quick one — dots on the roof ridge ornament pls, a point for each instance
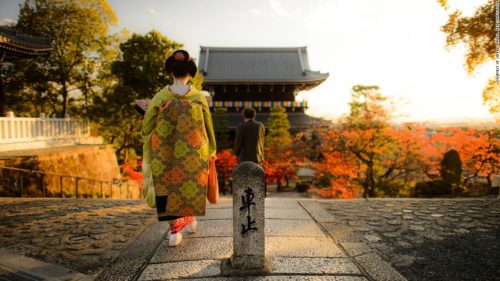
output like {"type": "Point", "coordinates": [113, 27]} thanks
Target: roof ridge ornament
{"type": "Point", "coordinates": [301, 59]}
{"type": "Point", "coordinates": [205, 66]}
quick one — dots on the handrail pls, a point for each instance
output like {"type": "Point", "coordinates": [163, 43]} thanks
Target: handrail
{"type": "Point", "coordinates": [28, 129]}
{"type": "Point", "coordinates": [111, 182]}
{"type": "Point", "coordinates": [114, 180]}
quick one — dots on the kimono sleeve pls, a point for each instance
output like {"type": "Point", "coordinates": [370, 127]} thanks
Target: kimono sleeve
{"type": "Point", "coordinates": [212, 146]}
{"type": "Point", "coordinates": [148, 124]}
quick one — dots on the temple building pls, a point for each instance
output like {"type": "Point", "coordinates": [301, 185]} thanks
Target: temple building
{"type": "Point", "coordinates": [16, 46]}
{"type": "Point", "coordinates": [261, 78]}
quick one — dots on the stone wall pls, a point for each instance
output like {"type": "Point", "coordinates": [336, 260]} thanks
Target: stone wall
{"type": "Point", "coordinates": [95, 166]}
{"type": "Point", "coordinates": [94, 161]}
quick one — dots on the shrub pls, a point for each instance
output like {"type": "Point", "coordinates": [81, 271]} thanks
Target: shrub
{"type": "Point", "coordinates": [393, 188]}
{"type": "Point", "coordinates": [432, 188]}
{"type": "Point", "coordinates": [303, 185]}
{"type": "Point", "coordinates": [323, 181]}
{"type": "Point", "coordinates": [451, 168]}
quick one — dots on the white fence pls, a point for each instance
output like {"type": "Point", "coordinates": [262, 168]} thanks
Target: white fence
{"type": "Point", "coordinates": [23, 132]}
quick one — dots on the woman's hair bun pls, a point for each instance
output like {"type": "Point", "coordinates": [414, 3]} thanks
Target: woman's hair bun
{"type": "Point", "coordinates": [181, 64]}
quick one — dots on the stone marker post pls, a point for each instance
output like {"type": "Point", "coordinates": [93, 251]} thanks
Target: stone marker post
{"type": "Point", "coordinates": [248, 221]}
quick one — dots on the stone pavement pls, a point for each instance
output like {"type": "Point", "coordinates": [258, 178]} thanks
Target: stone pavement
{"type": "Point", "coordinates": [424, 239]}
{"type": "Point", "coordinates": [297, 244]}
{"type": "Point", "coordinates": [306, 239]}
{"type": "Point", "coordinates": [80, 234]}
{"type": "Point", "coordinates": [135, 246]}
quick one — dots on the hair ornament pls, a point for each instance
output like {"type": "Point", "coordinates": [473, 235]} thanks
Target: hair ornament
{"type": "Point", "coordinates": [179, 56]}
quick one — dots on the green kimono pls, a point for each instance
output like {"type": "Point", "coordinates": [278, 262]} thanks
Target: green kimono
{"type": "Point", "coordinates": [178, 141]}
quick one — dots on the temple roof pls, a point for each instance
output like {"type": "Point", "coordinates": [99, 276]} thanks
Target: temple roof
{"type": "Point", "coordinates": [257, 65]}
{"type": "Point", "coordinates": [15, 44]}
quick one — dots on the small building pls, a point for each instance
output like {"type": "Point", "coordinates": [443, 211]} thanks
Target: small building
{"type": "Point", "coordinates": [261, 78]}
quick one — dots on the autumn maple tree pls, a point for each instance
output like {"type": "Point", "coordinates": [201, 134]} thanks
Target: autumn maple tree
{"type": "Point", "coordinates": [132, 170]}
{"type": "Point", "coordinates": [479, 150]}
{"type": "Point", "coordinates": [225, 163]}
{"type": "Point", "coordinates": [363, 135]}
{"type": "Point", "coordinates": [338, 166]}
{"type": "Point", "coordinates": [476, 34]}
{"type": "Point", "coordinates": [365, 152]}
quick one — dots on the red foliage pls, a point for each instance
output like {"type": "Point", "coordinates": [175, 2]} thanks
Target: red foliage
{"type": "Point", "coordinates": [409, 153]}
{"type": "Point", "coordinates": [478, 149]}
{"type": "Point", "coordinates": [342, 173]}
{"type": "Point", "coordinates": [225, 163]}
{"type": "Point", "coordinates": [280, 164]}
{"type": "Point", "coordinates": [132, 170]}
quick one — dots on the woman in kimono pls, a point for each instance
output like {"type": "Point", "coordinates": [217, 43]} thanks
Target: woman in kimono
{"type": "Point", "coordinates": [178, 140]}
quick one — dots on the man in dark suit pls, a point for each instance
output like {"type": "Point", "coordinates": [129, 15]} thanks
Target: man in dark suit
{"type": "Point", "coordinates": [249, 141]}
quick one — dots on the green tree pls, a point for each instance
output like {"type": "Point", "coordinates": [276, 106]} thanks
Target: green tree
{"type": "Point", "coordinates": [279, 157]}
{"type": "Point", "coordinates": [140, 73]}
{"type": "Point", "coordinates": [477, 34]}
{"type": "Point", "coordinates": [141, 69]}
{"type": "Point", "coordinates": [77, 30]}
{"type": "Point", "coordinates": [278, 128]}
{"type": "Point", "coordinates": [364, 134]}
{"type": "Point", "coordinates": [96, 77]}
{"type": "Point", "coordinates": [26, 95]}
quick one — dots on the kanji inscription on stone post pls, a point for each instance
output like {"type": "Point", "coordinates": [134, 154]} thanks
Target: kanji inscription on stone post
{"type": "Point", "coordinates": [249, 219]}
{"type": "Point", "coordinates": [247, 202]}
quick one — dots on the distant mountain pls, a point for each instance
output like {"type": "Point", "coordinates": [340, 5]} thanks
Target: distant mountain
{"type": "Point", "coordinates": [478, 123]}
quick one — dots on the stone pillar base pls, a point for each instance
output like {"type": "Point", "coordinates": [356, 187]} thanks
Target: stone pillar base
{"type": "Point", "coordinates": [246, 265]}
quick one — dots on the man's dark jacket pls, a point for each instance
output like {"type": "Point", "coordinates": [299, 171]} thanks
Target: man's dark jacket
{"type": "Point", "coordinates": [249, 141]}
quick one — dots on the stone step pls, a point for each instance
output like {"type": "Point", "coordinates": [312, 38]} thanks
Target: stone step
{"type": "Point", "coordinates": [17, 267]}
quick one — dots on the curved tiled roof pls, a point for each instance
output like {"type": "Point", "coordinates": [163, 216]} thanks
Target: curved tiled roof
{"type": "Point", "coordinates": [257, 65]}
{"type": "Point", "coordinates": [16, 44]}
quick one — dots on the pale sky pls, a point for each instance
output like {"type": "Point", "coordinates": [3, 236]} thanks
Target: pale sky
{"type": "Point", "coordinates": [396, 44]}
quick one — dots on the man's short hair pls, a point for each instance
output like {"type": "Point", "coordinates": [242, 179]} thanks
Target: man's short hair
{"type": "Point", "coordinates": [249, 112]}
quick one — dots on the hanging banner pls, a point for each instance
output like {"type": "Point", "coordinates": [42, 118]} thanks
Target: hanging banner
{"type": "Point", "coordinates": [290, 104]}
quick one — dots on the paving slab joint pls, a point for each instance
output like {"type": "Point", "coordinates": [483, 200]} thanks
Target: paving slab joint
{"type": "Point", "coordinates": [376, 270]}
{"type": "Point", "coordinates": [116, 266]}
{"type": "Point", "coordinates": [228, 270]}
{"type": "Point", "coordinates": [25, 268]}
{"type": "Point", "coordinates": [151, 255]}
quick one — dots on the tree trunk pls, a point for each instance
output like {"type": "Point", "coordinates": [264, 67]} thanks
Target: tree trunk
{"type": "Point", "coordinates": [365, 189]}
{"type": "Point", "coordinates": [370, 180]}
{"type": "Point", "coordinates": [64, 92]}
{"type": "Point", "coordinates": [278, 185]}
{"type": "Point", "coordinates": [126, 153]}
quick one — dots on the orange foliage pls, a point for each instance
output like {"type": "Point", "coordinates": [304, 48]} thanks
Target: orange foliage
{"type": "Point", "coordinates": [132, 170]}
{"type": "Point", "coordinates": [282, 161]}
{"type": "Point", "coordinates": [409, 153]}
{"type": "Point", "coordinates": [342, 172]}
{"type": "Point", "coordinates": [279, 163]}
{"type": "Point", "coordinates": [479, 150]}
{"type": "Point", "coordinates": [225, 163]}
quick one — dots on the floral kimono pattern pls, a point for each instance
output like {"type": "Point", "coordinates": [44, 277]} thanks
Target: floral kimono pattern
{"type": "Point", "coordinates": [181, 142]}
